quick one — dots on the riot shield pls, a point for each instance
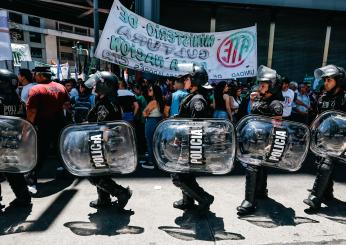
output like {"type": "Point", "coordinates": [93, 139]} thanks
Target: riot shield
{"type": "Point", "coordinates": [274, 143]}
{"type": "Point", "coordinates": [328, 133]}
{"type": "Point", "coordinates": [96, 149]}
{"type": "Point", "coordinates": [18, 145]}
{"type": "Point", "coordinates": [191, 145]}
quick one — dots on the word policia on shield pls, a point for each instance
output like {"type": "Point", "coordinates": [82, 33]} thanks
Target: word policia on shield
{"type": "Point", "coordinates": [135, 42]}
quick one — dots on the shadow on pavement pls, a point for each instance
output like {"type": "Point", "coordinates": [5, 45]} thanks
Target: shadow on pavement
{"type": "Point", "coordinates": [107, 222]}
{"type": "Point", "coordinates": [13, 220]}
{"type": "Point", "coordinates": [271, 214]}
{"type": "Point", "coordinates": [54, 186]}
{"type": "Point", "coordinates": [335, 211]}
{"type": "Point", "coordinates": [194, 226]}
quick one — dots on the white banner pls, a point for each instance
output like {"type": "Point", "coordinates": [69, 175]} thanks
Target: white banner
{"type": "Point", "coordinates": [5, 41]}
{"type": "Point", "coordinates": [21, 52]}
{"type": "Point", "coordinates": [135, 42]}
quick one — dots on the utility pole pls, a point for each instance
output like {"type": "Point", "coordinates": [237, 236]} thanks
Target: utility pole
{"type": "Point", "coordinates": [96, 31]}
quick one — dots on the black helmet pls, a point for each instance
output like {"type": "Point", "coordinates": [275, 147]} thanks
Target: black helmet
{"type": "Point", "coordinates": [333, 71]}
{"type": "Point", "coordinates": [8, 81]}
{"type": "Point", "coordinates": [197, 73]}
{"type": "Point", "coordinates": [106, 82]}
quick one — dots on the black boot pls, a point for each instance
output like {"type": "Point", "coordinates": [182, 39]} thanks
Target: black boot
{"type": "Point", "coordinates": [322, 180]}
{"type": "Point", "coordinates": [19, 188]}
{"type": "Point", "coordinates": [261, 186]}
{"type": "Point", "coordinates": [123, 194]}
{"type": "Point", "coordinates": [103, 200]}
{"type": "Point", "coordinates": [185, 203]}
{"type": "Point", "coordinates": [328, 193]}
{"type": "Point", "coordinates": [192, 188]}
{"type": "Point", "coordinates": [248, 205]}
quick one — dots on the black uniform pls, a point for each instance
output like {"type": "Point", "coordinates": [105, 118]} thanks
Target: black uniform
{"type": "Point", "coordinates": [256, 176]}
{"type": "Point", "coordinates": [107, 109]}
{"type": "Point", "coordinates": [193, 106]}
{"type": "Point", "coordinates": [323, 186]}
{"type": "Point", "coordinates": [10, 105]}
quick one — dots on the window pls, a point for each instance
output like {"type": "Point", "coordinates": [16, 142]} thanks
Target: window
{"type": "Point", "coordinates": [81, 31]}
{"type": "Point", "coordinates": [36, 52]}
{"type": "Point", "coordinates": [66, 42]}
{"type": "Point", "coordinates": [34, 21]}
{"type": "Point", "coordinates": [67, 28]}
{"type": "Point", "coordinates": [16, 18]}
{"type": "Point", "coordinates": [16, 35]}
{"type": "Point", "coordinates": [66, 56]}
{"type": "Point", "coordinates": [35, 37]}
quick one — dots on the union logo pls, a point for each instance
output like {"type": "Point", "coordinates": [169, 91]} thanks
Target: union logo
{"type": "Point", "coordinates": [235, 48]}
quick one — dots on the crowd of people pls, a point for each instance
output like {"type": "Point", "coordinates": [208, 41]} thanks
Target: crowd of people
{"type": "Point", "coordinates": [52, 105]}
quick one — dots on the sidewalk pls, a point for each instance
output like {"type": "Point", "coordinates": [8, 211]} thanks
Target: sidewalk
{"type": "Point", "coordinates": [61, 214]}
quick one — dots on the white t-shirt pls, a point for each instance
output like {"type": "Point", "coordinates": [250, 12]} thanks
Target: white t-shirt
{"type": "Point", "coordinates": [287, 103]}
{"type": "Point", "coordinates": [25, 92]}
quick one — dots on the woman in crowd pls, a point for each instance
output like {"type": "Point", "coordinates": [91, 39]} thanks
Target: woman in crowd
{"type": "Point", "coordinates": [235, 101]}
{"type": "Point", "coordinates": [153, 114]}
{"type": "Point", "coordinates": [222, 104]}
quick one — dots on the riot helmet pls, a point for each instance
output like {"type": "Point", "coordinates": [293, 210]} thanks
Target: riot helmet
{"type": "Point", "coordinates": [8, 81]}
{"type": "Point", "coordinates": [270, 76]}
{"type": "Point", "coordinates": [105, 82]}
{"type": "Point", "coordinates": [197, 74]}
{"type": "Point", "coordinates": [331, 71]}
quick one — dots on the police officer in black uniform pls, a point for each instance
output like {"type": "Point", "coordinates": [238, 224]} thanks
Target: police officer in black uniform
{"type": "Point", "coordinates": [106, 109]}
{"type": "Point", "coordinates": [334, 98]}
{"type": "Point", "coordinates": [195, 105]}
{"type": "Point", "coordinates": [10, 105]}
{"type": "Point", "coordinates": [265, 101]}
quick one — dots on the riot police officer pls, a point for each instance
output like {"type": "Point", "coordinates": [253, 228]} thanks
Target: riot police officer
{"type": "Point", "coordinates": [194, 105]}
{"type": "Point", "coordinates": [106, 109]}
{"type": "Point", "coordinates": [334, 98]}
{"type": "Point", "coordinates": [265, 101]}
{"type": "Point", "coordinates": [10, 105]}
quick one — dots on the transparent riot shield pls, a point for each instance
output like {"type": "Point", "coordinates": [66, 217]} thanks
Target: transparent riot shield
{"type": "Point", "coordinates": [190, 145]}
{"type": "Point", "coordinates": [273, 143]}
{"type": "Point", "coordinates": [96, 149]}
{"type": "Point", "coordinates": [18, 145]}
{"type": "Point", "coordinates": [328, 133]}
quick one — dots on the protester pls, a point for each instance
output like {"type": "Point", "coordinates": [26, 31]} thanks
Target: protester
{"type": "Point", "coordinates": [153, 114]}
{"type": "Point", "coordinates": [45, 110]}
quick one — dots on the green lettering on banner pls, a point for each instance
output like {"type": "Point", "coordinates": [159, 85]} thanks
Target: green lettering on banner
{"type": "Point", "coordinates": [150, 29]}
{"type": "Point", "coordinates": [162, 34]}
{"type": "Point", "coordinates": [116, 43]}
{"type": "Point", "coordinates": [159, 61]}
{"type": "Point", "coordinates": [128, 18]}
{"type": "Point", "coordinates": [209, 41]}
{"type": "Point", "coordinates": [186, 41]}
{"type": "Point", "coordinates": [123, 15]}
{"type": "Point", "coordinates": [125, 48]}
{"type": "Point", "coordinates": [170, 36]}
{"type": "Point", "coordinates": [140, 55]}
{"type": "Point", "coordinates": [150, 59]}
{"type": "Point", "coordinates": [245, 46]}
{"type": "Point", "coordinates": [197, 41]}
{"type": "Point", "coordinates": [174, 65]}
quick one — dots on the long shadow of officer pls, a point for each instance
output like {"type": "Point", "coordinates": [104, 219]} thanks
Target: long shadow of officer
{"type": "Point", "coordinates": [335, 211]}
{"type": "Point", "coordinates": [13, 220]}
{"type": "Point", "coordinates": [197, 226]}
{"type": "Point", "coordinates": [272, 214]}
{"type": "Point", "coordinates": [106, 222]}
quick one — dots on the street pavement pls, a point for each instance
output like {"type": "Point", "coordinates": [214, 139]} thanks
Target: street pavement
{"type": "Point", "coordinates": [61, 214]}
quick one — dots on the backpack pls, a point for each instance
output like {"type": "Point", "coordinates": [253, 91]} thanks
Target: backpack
{"type": "Point", "coordinates": [82, 107]}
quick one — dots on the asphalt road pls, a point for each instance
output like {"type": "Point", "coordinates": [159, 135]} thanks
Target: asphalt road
{"type": "Point", "coordinates": [61, 215]}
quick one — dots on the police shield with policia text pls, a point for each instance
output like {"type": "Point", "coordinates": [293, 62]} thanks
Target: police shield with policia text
{"type": "Point", "coordinates": [328, 133]}
{"type": "Point", "coordinates": [102, 147]}
{"type": "Point", "coordinates": [264, 140]}
{"type": "Point", "coordinates": [18, 140]}
{"type": "Point", "coordinates": [192, 143]}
